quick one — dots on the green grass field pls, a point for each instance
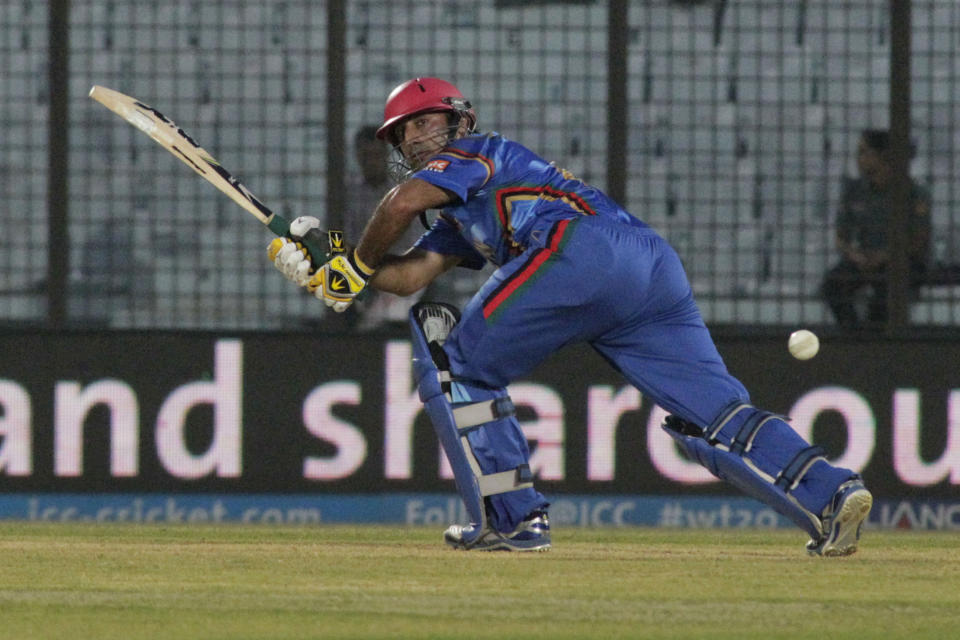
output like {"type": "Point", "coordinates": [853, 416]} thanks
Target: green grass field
{"type": "Point", "coordinates": [232, 581]}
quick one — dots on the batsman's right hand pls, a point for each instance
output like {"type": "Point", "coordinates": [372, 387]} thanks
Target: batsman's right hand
{"type": "Point", "coordinates": [289, 255]}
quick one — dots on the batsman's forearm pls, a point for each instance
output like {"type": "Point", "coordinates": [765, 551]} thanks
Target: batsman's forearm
{"type": "Point", "coordinates": [391, 219]}
{"type": "Point", "coordinates": [395, 213]}
{"type": "Point", "coordinates": [406, 274]}
{"type": "Point", "coordinates": [380, 234]}
{"type": "Point", "coordinates": [396, 279]}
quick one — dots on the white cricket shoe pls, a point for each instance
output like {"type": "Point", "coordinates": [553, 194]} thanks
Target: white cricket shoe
{"type": "Point", "coordinates": [532, 534]}
{"type": "Point", "coordinates": [842, 520]}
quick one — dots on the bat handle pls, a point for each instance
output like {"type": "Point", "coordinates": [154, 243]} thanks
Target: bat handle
{"type": "Point", "coordinates": [279, 225]}
{"type": "Point", "coordinates": [320, 244]}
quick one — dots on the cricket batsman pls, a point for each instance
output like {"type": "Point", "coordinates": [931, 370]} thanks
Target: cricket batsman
{"type": "Point", "coordinates": [573, 266]}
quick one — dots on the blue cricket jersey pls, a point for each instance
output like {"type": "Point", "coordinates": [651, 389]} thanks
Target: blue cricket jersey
{"type": "Point", "coordinates": [505, 191]}
{"type": "Point", "coordinates": [573, 266]}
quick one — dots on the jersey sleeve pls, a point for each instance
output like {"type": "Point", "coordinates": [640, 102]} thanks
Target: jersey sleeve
{"type": "Point", "coordinates": [462, 168]}
{"type": "Point", "coordinates": [445, 239]}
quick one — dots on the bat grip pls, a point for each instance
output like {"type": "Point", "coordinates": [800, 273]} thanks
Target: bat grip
{"type": "Point", "coordinates": [279, 225]}
{"type": "Point", "coordinates": [315, 240]}
{"type": "Point", "coordinates": [317, 245]}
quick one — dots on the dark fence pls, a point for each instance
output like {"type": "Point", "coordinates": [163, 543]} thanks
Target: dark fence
{"type": "Point", "coordinates": [729, 126]}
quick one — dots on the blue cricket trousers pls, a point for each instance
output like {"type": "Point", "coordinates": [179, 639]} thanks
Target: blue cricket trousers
{"type": "Point", "coordinates": [620, 288]}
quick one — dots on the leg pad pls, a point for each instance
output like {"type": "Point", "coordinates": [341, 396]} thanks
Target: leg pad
{"type": "Point", "coordinates": [475, 425]}
{"type": "Point", "coordinates": [724, 448]}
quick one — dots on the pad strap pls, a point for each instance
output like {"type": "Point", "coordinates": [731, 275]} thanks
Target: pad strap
{"type": "Point", "coordinates": [713, 431]}
{"type": "Point", "coordinates": [790, 476]}
{"type": "Point", "coordinates": [503, 482]}
{"type": "Point", "coordinates": [748, 430]}
{"type": "Point", "coordinates": [479, 413]}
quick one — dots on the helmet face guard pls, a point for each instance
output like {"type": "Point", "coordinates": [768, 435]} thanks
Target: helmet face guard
{"type": "Point", "coordinates": [402, 164]}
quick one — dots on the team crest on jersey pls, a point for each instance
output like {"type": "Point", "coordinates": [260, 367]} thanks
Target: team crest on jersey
{"type": "Point", "coordinates": [437, 165]}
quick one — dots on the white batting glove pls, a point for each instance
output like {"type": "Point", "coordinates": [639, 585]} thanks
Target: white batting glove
{"type": "Point", "coordinates": [289, 256]}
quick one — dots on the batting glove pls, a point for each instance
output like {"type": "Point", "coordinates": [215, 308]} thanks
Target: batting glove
{"type": "Point", "coordinates": [340, 281]}
{"type": "Point", "coordinates": [290, 256]}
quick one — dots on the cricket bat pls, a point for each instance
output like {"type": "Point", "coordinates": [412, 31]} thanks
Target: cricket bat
{"type": "Point", "coordinates": [175, 140]}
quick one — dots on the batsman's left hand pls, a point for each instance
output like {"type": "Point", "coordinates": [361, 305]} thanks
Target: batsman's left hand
{"type": "Point", "coordinates": [340, 281]}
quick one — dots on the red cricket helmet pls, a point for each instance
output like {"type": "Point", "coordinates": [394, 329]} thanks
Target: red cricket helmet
{"type": "Point", "coordinates": [423, 95]}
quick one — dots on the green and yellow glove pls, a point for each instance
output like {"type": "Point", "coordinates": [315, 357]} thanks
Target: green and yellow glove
{"type": "Point", "coordinates": [340, 280]}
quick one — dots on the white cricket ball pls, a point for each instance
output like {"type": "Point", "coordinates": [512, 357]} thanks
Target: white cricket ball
{"type": "Point", "coordinates": [803, 344]}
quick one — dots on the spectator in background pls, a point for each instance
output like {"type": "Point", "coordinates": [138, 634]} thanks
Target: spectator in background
{"type": "Point", "coordinates": [862, 222]}
{"type": "Point", "coordinates": [377, 309]}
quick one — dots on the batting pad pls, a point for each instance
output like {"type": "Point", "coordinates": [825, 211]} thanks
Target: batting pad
{"type": "Point", "coordinates": [476, 428]}
{"type": "Point", "coordinates": [760, 454]}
